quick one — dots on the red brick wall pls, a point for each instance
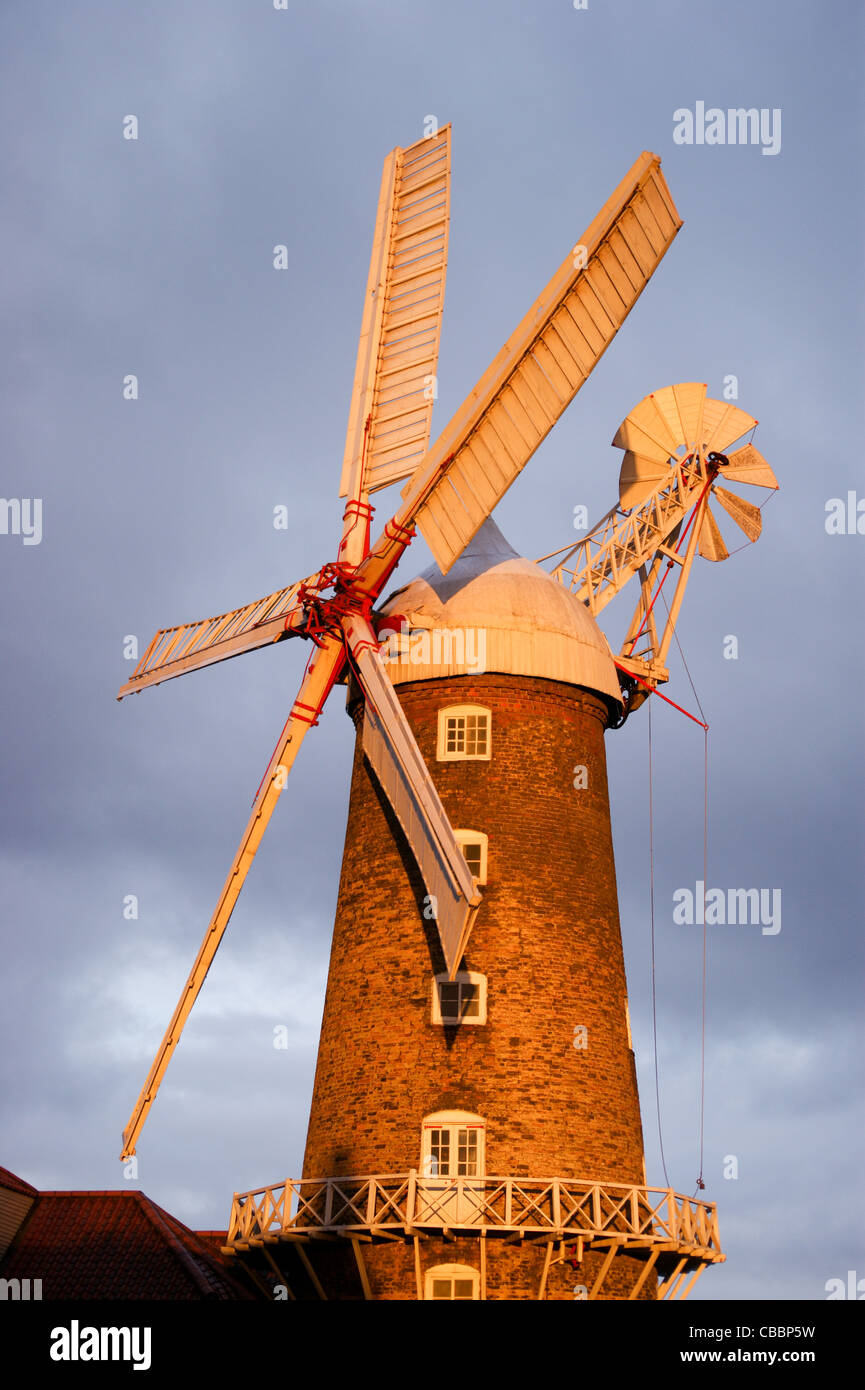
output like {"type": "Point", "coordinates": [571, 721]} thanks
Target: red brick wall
{"type": "Point", "coordinates": [514, 1271]}
{"type": "Point", "coordinates": [547, 938]}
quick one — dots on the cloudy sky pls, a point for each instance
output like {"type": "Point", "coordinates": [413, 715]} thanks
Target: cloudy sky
{"type": "Point", "coordinates": [260, 126]}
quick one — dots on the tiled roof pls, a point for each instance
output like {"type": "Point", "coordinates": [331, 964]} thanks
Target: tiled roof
{"type": "Point", "coordinates": [16, 1184]}
{"type": "Point", "coordinates": [217, 1238]}
{"type": "Point", "coordinates": [116, 1245]}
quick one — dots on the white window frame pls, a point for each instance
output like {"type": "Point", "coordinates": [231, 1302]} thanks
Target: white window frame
{"type": "Point", "coordinates": [475, 837]}
{"type": "Point", "coordinates": [453, 1121]}
{"type": "Point", "coordinates": [455, 712]}
{"type": "Point", "coordinates": [452, 1273]}
{"type": "Point", "coordinates": [462, 977]}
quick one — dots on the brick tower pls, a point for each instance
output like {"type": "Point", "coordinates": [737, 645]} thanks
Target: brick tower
{"type": "Point", "coordinates": [522, 1068]}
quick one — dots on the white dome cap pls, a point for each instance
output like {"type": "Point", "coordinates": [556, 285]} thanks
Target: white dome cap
{"type": "Point", "coordinates": [494, 611]}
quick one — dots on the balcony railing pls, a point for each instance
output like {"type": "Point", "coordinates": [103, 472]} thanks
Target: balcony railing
{"type": "Point", "coordinates": [562, 1208]}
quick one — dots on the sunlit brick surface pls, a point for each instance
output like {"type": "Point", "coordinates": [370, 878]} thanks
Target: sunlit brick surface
{"type": "Point", "coordinates": [547, 937]}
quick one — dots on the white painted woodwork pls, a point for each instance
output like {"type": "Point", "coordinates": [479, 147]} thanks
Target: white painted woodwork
{"type": "Point", "coordinates": [392, 397]}
{"type": "Point", "coordinates": [611, 1218]}
{"type": "Point", "coordinates": [313, 691]}
{"type": "Point", "coordinates": [399, 765]}
{"type": "Point", "coordinates": [517, 401]}
{"type": "Point", "coordinates": [175, 650]}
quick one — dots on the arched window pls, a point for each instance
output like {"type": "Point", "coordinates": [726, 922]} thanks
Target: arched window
{"type": "Point", "coordinates": [452, 1282]}
{"type": "Point", "coordinates": [461, 1000]}
{"type": "Point", "coordinates": [452, 1145]}
{"type": "Point", "coordinates": [464, 731]}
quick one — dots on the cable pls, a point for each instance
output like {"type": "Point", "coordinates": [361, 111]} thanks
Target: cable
{"type": "Point", "coordinates": [700, 1183]}
{"type": "Point", "coordinates": [685, 664]}
{"type": "Point", "coordinates": [652, 917]}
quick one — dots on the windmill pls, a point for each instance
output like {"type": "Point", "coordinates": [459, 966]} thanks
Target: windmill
{"type": "Point", "coordinates": [400, 952]}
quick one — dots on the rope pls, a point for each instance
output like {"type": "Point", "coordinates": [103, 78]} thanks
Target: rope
{"type": "Point", "coordinates": [705, 960]}
{"type": "Point", "coordinates": [700, 1183]}
{"type": "Point", "coordinates": [687, 670]}
{"type": "Point", "coordinates": [652, 917]}
{"type": "Point", "coordinates": [653, 690]}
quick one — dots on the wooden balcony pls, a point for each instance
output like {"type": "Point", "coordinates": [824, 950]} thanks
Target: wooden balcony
{"type": "Point", "coordinates": [677, 1235]}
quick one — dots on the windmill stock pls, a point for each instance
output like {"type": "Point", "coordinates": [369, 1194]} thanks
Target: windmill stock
{"type": "Point", "coordinates": [446, 1078]}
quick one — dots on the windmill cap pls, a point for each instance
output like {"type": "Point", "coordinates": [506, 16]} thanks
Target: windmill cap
{"type": "Point", "coordinates": [495, 611]}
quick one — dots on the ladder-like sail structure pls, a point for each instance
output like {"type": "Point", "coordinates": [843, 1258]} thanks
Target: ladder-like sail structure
{"type": "Point", "coordinates": [398, 763]}
{"type": "Point", "coordinates": [394, 384]}
{"type": "Point", "coordinates": [313, 692]}
{"type": "Point", "coordinates": [542, 365]}
{"type": "Point", "coordinates": [187, 647]}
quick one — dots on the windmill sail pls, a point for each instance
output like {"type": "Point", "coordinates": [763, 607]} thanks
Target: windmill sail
{"type": "Point", "coordinates": [404, 777]}
{"type": "Point", "coordinates": [664, 425]}
{"type": "Point", "coordinates": [746, 516]}
{"type": "Point", "coordinates": [747, 465]}
{"type": "Point", "coordinates": [711, 542]}
{"type": "Point", "coordinates": [392, 397]}
{"type": "Point", "coordinates": [542, 365]}
{"type": "Point", "coordinates": [189, 646]}
{"type": "Point", "coordinates": [313, 692]}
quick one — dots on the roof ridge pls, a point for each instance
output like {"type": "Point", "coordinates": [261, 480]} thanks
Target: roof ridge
{"type": "Point", "coordinates": [12, 1181]}
{"type": "Point", "coordinates": [160, 1219]}
{"type": "Point", "coordinates": [94, 1192]}
{"type": "Point", "coordinates": [164, 1221]}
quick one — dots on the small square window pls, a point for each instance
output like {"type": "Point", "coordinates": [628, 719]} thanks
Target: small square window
{"type": "Point", "coordinates": [464, 733]}
{"type": "Point", "coordinates": [452, 1282]}
{"type": "Point", "coordinates": [459, 1001]}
